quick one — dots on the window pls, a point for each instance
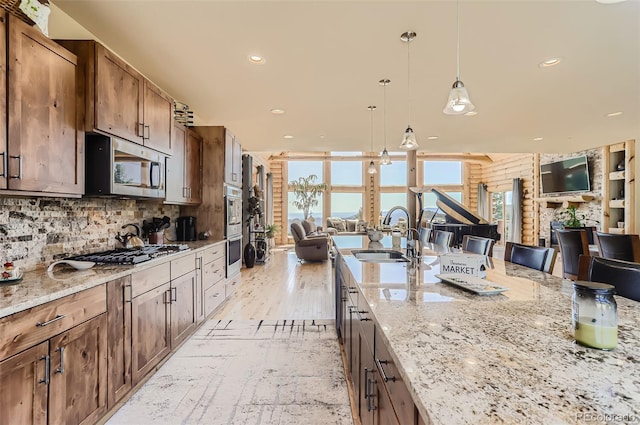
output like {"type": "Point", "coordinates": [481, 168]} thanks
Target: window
{"type": "Point", "coordinates": [297, 169]}
{"type": "Point", "coordinates": [294, 213]}
{"type": "Point", "coordinates": [430, 208]}
{"type": "Point", "coordinates": [346, 205]}
{"type": "Point", "coordinates": [394, 174]}
{"type": "Point", "coordinates": [442, 172]}
{"type": "Point", "coordinates": [389, 200]}
{"type": "Point", "coordinates": [346, 173]}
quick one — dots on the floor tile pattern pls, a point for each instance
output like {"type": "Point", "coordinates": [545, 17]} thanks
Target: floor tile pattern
{"type": "Point", "coordinates": [266, 372]}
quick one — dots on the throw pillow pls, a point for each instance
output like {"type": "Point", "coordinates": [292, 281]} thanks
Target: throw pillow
{"type": "Point", "coordinates": [351, 225]}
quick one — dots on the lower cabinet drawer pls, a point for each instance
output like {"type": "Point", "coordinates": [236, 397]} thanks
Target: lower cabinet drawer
{"type": "Point", "coordinates": [396, 387]}
{"type": "Point", "coordinates": [183, 265]}
{"type": "Point", "coordinates": [232, 285]}
{"type": "Point", "coordinates": [30, 327]}
{"type": "Point", "coordinates": [213, 272]}
{"type": "Point", "coordinates": [213, 297]}
{"type": "Point", "coordinates": [145, 280]}
{"type": "Point", "coordinates": [213, 252]}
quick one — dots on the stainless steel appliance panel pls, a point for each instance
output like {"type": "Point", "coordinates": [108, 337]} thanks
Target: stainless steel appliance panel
{"type": "Point", "coordinates": [233, 211]}
{"type": "Point", "coordinates": [234, 255]}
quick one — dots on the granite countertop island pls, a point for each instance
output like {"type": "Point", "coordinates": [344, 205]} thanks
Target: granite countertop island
{"type": "Point", "coordinates": [40, 286]}
{"type": "Point", "coordinates": [508, 358]}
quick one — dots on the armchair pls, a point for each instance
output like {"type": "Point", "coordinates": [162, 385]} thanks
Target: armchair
{"type": "Point", "coordinates": [309, 247]}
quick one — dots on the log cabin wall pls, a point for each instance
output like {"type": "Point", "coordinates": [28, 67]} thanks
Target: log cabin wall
{"type": "Point", "coordinates": [499, 175]}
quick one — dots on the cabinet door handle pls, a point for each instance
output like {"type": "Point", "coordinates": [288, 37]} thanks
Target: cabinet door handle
{"type": "Point", "coordinates": [130, 286]}
{"type": "Point", "coordinates": [167, 296]}
{"type": "Point", "coordinates": [47, 369]}
{"type": "Point", "coordinates": [148, 133]}
{"type": "Point", "coordinates": [141, 130]}
{"type": "Point", "coordinates": [174, 295]}
{"type": "Point", "coordinates": [4, 164]}
{"type": "Point", "coordinates": [385, 378]}
{"type": "Point", "coordinates": [234, 176]}
{"type": "Point", "coordinates": [198, 263]}
{"type": "Point", "coordinates": [19, 158]}
{"type": "Point", "coordinates": [60, 370]}
{"type": "Point", "coordinates": [55, 319]}
{"type": "Point", "coordinates": [184, 192]}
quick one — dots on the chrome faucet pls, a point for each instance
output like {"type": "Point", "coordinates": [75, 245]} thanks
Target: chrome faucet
{"type": "Point", "coordinates": [387, 218]}
{"type": "Point", "coordinates": [414, 246]}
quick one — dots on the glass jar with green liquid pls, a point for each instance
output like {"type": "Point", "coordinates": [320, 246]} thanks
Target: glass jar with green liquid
{"type": "Point", "coordinates": [595, 315]}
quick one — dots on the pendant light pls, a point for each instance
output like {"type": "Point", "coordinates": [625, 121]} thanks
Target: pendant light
{"type": "Point", "coordinates": [409, 141]}
{"type": "Point", "coordinates": [384, 157]}
{"type": "Point", "coordinates": [459, 101]}
{"type": "Point", "coordinates": [372, 166]}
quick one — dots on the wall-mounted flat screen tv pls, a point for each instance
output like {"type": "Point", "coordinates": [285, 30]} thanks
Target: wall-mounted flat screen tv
{"type": "Point", "coordinates": [566, 176]}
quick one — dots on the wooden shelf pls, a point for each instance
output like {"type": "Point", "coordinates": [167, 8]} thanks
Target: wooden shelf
{"type": "Point", "coordinates": [616, 203]}
{"type": "Point", "coordinates": [616, 230]}
{"type": "Point", "coordinates": [563, 201]}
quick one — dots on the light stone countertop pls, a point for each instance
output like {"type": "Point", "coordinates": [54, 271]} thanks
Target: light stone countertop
{"type": "Point", "coordinates": [509, 358]}
{"type": "Point", "coordinates": [39, 286]}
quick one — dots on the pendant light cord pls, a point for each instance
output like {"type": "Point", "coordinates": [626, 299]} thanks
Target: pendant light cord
{"type": "Point", "coordinates": [371, 132]}
{"type": "Point", "coordinates": [409, 77]}
{"type": "Point", "coordinates": [384, 102]}
{"type": "Point", "coordinates": [458, 39]}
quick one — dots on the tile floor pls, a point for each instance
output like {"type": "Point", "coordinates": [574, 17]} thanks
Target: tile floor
{"type": "Point", "coordinates": [247, 372]}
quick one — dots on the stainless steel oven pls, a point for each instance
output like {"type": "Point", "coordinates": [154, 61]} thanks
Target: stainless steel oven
{"type": "Point", "coordinates": [234, 255]}
{"type": "Point", "coordinates": [233, 211]}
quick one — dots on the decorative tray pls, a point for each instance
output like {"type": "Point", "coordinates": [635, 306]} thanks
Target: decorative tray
{"type": "Point", "coordinates": [10, 279]}
{"type": "Point", "coordinates": [472, 283]}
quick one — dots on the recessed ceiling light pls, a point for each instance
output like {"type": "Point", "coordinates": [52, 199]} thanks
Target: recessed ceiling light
{"type": "Point", "coordinates": [614, 114]}
{"type": "Point", "coordinates": [609, 1]}
{"type": "Point", "coordinates": [549, 62]}
{"type": "Point", "coordinates": [471, 113]}
{"type": "Point", "coordinates": [288, 136]}
{"type": "Point", "coordinates": [277, 111]}
{"type": "Point", "coordinates": [256, 59]}
{"type": "Point", "coordinates": [537, 139]}
{"type": "Point", "coordinates": [432, 137]}
{"type": "Point", "coordinates": [322, 136]}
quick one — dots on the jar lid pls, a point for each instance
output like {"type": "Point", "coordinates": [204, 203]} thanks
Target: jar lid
{"type": "Point", "coordinates": [595, 287]}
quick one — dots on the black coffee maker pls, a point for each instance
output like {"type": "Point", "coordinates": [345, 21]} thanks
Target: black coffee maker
{"type": "Point", "coordinates": [186, 228]}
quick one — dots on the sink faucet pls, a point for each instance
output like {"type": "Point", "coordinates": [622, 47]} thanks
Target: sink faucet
{"type": "Point", "coordinates": [414, 246]}
{"type": "Point", "coordinates": [387, 218]}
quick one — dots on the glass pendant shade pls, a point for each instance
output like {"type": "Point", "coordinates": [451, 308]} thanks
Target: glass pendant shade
{"type": "Point", "coordinates": [459, 101]}
{"type": "Point", "coordinates": [372, 168]}
{"type": "Point", "coordinates": [409, 141]}
{"type": "Point", "coordinates": [384, 158]}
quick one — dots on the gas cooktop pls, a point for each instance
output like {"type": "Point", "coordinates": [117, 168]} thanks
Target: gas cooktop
{"type": "Point", "coordinates": [131, 256]}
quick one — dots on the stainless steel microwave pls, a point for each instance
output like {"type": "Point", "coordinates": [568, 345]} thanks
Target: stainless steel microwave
{"type": "Point", "coordinates": [116, 167]}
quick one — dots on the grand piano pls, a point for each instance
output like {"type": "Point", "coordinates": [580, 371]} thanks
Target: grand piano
{"type": "Point", "coordinates": [458, 219]}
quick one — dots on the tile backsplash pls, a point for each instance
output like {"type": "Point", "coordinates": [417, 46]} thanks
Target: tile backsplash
{"type": "Point", "coordinates": [37, 231]}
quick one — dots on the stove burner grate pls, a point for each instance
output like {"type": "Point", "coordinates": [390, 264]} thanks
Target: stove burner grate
{"type": "Point", "coordinates": [131, 256]}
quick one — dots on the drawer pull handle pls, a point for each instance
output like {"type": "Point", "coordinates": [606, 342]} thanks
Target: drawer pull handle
{"type": "Point", "coordinates": [47, 369]}
{"type": "Point", "coordinates": [130, 293]}
{"type": "Point", "coordinates": [61, 368]}
{"type": "Point", "coordinates": [385, 378]}
{"type": "Point", "coordinates": [352, 290]}
{"type": "Point", "coordinates": [43, 324]}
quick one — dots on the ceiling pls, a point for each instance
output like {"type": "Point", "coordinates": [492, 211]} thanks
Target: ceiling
{"type": "Point", "coordinates": [324, 60]}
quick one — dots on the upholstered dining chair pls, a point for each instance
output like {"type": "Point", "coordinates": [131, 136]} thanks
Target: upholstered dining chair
{"type": "Point", "coordinates": [624, 275]}
{"type": "Point", "coordinates": [619, 247]}
{"type": "Point", "coordinates": [534, 257]}
{"type": "Point", "coordinates": [573, 243]}
{"type": "Point", "coordinates": [442, 237]}
{"type": "Point", "coordinates": [424, 234]}
{"type": "Point", "coordinates": [477, 245]}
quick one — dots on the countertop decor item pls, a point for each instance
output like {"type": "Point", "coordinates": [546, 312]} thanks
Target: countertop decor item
{"type": "Point", "coordinates": [76, 264]}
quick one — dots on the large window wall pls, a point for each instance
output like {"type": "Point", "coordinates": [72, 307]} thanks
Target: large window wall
{"type": "Point", "coordinates": [353, 193]}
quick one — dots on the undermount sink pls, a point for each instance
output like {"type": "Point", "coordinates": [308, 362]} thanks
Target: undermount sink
{"type": "Point", "coordinates": [379, 256]}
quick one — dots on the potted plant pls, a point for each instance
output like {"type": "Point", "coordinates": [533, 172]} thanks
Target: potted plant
{"type": "Point", "coordinates": [270, 230]}
{"type": "Point", "coordinates": [571, 218]}
{"type": "Point", "coordinates": [306, 192]}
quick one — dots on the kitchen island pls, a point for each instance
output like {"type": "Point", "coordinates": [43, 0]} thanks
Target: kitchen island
{"type": "Point", "coordinates": [507, 358]}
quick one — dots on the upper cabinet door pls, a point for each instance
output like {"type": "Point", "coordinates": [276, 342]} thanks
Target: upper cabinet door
{"type": "Point", "coordinates": [3, 100]}
{"type": "Point", "coordinates": [44, 114]}
{"type": "Point", "coordinates": [118, 97]}
{"type": "Point", "coordinates": [232, 159]}
{"type": "Point", "coordinates": [176, 188]}
{"type": "Point", "coordinates": [158, 118]}
{"type": "Point", "coordinates": [193, 168]}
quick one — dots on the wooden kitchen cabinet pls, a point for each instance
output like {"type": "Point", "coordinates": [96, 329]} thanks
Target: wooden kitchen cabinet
{"type": "Point", "coordinates": [24, 389]}
{"type": "Point", "coordinates": [213, 273]}
{"type": "Point", "coordinates": [78, 387]}
{"type": "Point", "coordinates": [150, 320]}
{"type": "Point", "coordinates": [183, 315]}
{"type": "Point", "coordinates": [232, 159]}
{"type": "Point", "coordinates": [44, 151]}
{"type": "Point", "coordinates": [184, 168]}
{"type": "Point", "coordinates": [120, 101]}
{"type": "Point", "coordinates": [54, 367]}
{"type": "Point", "coordinates": [119, 296]}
